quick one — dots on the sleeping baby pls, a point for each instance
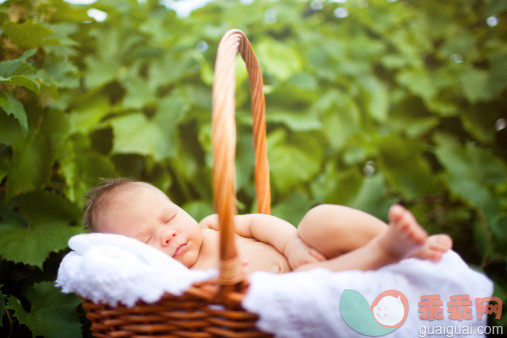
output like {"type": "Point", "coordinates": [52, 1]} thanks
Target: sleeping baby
{"type": "Point", "coordinates": [334, 237]}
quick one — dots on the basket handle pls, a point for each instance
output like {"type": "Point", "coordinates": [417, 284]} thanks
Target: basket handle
{"type": "Point", "coordinates": [224, 146]}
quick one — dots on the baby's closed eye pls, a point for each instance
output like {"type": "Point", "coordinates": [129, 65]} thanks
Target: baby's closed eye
{"type": "Point", "coordinates": [168, 216]}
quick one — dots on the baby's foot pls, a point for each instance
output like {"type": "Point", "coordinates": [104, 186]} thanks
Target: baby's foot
{"type": "Point", "coordinates": [433, 248]}
{"type": "Point", "coordinates": [404, 235]}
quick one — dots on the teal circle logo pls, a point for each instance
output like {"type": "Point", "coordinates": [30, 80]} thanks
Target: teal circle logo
{"type": "Point", "coordinates": [386, 314]}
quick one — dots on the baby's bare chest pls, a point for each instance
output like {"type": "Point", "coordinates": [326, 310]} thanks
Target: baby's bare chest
{"type": "Point", "coordinates": [258, 256]}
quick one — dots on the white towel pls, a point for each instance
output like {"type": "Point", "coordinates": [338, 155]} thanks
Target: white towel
{"type": "Point", "coordinates": [114, 268]}
{"type": "Point", "coordinates": [307, 304]}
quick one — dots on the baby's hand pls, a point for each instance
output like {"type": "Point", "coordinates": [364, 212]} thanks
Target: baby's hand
{"type": "Point", "coordinates": [209, 222]}
{"type": "Point", "coordinates": [298, 253]}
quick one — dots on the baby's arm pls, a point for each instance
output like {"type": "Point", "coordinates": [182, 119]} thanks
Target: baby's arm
{"type": "Point", "coordinates": [272, 230]}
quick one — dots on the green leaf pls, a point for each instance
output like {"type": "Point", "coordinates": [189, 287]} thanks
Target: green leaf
{"type": "Point", "coordinates": [135, 134]}
{"type": "Point", "coordinates": [372, 197]}
{"type": "Point", "coordinates": [34, 154]}
{"type": "Point", "coordinates": [475, 85]}
{"type": "Point", "coordinates": [471, 170]}
{"type": "Point", "coordinates": [19, 72]}
{"type": "Point", "coordinates": [304, 81]}
{"type": "Point", "coordinates": [293, 208]}
{"type": "Point", "coordinates": [51, 314]}
{"type": "Point", "coordinates": [28, 34]}
{"type": "Point", "coordinates": [47, 230]}
{"type": "Point", "coordinates": [100, 71]}
{"type": "Point", "coordinates": [30, 165]}
{"type": "Point", "coordinates": [336, 185]}
{"type": "Point", "coordinates": [376, 98]}
{"type": "Point", "coordinates": [17, 66]}
{"type": "Point", "coordinates": [10, 130]}
{"type": "Point", "coordinates": [88, 111]}
{"type": "Point", "coordinates": [498, 72]}
{"type": "Point", "coordinates": [140, 92]}
{"type": "Point", "coordinates": [277, 58]}
{"type": "Point", "coordinates": [60, 72]}
{"type": "Point", "coordinates": [23, 81]}
{"type": "Point", "coordinates": [293, 161]}
{"type": "Point", "coordinates": [65, 12]}
{"type": "Point", "coordinates": [419, 82]}
{"type": "Point", "coordinates": [198, 209]}
{"type": "Point", "coordinates": [170, 68]}
{"type": "Point", "coordinates": [81, 166]}
{"type": "Point", "coordinates": [402, 163]}
{"type": "Point", "coordinates": [296, 121]}
{"type": "Point", "coordinates": [15, 108]}
{"type": "Point", "coordinates": [341, 120]}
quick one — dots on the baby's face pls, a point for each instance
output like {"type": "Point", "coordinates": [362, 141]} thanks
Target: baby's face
{"type": "Point", "coordinates": [142, 211]}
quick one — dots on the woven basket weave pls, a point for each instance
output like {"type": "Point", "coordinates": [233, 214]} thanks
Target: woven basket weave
{"type": "Point", "coordinates": [195, 313]}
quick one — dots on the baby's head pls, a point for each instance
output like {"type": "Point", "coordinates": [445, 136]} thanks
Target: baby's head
{"type": "Point", "coordinates": [139, 210]}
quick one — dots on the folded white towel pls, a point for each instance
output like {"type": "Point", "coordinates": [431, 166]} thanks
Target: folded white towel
{"type": "Point", "coordinates": [113, 268]}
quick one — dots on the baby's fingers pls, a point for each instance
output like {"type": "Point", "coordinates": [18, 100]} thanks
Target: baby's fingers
{"type": "Point", "coordinates": [317, 255]}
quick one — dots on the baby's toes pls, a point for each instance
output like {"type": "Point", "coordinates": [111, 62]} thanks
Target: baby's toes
{"type": "Point", "coordinates": [445, 241]}
{"type": "Point", "coordinates": [435, 255]}
{"type": "Point", "coordinates": [440, 242]}
{"type": "Point", "coordinates": [396, 213]}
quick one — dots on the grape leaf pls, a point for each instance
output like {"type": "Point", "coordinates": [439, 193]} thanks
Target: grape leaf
{"type": "Point", "coordinates": [419, 82]}
{"type": "Point", "coordinates": [278, 59]}
{"type": "Point", "coordinates": [293, 208]}
{"type": "Point", "coordinates": [87, 112]}
{"type": "Point", "coordinates": [402, 163]}
{"type": "Point", "coordinates": [475, 85]}
{"type": "Point", "coordinates": [45, 230]}
{"type": "Point", "coordinates": [51, 314]}
{"type": "Point", "coordinates": [30, 165]}
{"type": "Point", "coordinates": [100, 71]}
{"type": "Point", "coordinates": [292, 162]}
{"type": "Point", "coordinates": [471, 170]}
{"type": "Point", "coordinates": [15, 108]}
{"type": "Point", "coordinates": [139, 93]}
{"type": "Point", "coordinates": [19, 72]}
{"type": "Point", "coordinates": [27, 34]}
{"type": "Point", "coordinates": [135, 134]}
{"type": "Point", "coordinates": [81, 166]}
{"type": "Point", "coordinates": [34, 154]}
{"type": "Point", "coordinates": [377, 98]}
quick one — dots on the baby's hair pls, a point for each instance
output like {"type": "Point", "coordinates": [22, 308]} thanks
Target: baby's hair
{"type": "Point", "coordinates": [98, 196]}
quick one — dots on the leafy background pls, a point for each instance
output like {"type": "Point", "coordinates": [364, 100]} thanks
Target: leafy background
{"type": "Point", "coordinates": [369, 103]}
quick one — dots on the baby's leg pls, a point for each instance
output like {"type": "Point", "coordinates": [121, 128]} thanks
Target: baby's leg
{"type": "Point", "coordinates": [403, 237]}
{"type": "Point", "coordinates": [334, 230]}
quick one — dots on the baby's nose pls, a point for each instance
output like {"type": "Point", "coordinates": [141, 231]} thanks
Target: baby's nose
{"type": "Point", "coordinates": [167, 237]}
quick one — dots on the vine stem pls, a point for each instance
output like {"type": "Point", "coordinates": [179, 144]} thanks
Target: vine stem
{"type": "Point", "coordinates": [484, 224]}
{"type": "Point", "coordinates": [11, 334]}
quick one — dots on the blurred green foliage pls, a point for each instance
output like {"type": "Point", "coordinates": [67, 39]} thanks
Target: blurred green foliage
{"type": "Point", "coordinates": [369, 103]}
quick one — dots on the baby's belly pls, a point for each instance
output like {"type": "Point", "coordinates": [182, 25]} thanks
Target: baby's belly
{"type": "Point", "coordinates": [261, 256]}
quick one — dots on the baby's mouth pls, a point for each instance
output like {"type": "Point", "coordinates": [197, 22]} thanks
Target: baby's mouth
{"type": "Point", "coordinates": [179, 250]}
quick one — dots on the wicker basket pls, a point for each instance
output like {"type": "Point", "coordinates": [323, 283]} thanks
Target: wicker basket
{"type": "Point", "coordinates": [210, 308]}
